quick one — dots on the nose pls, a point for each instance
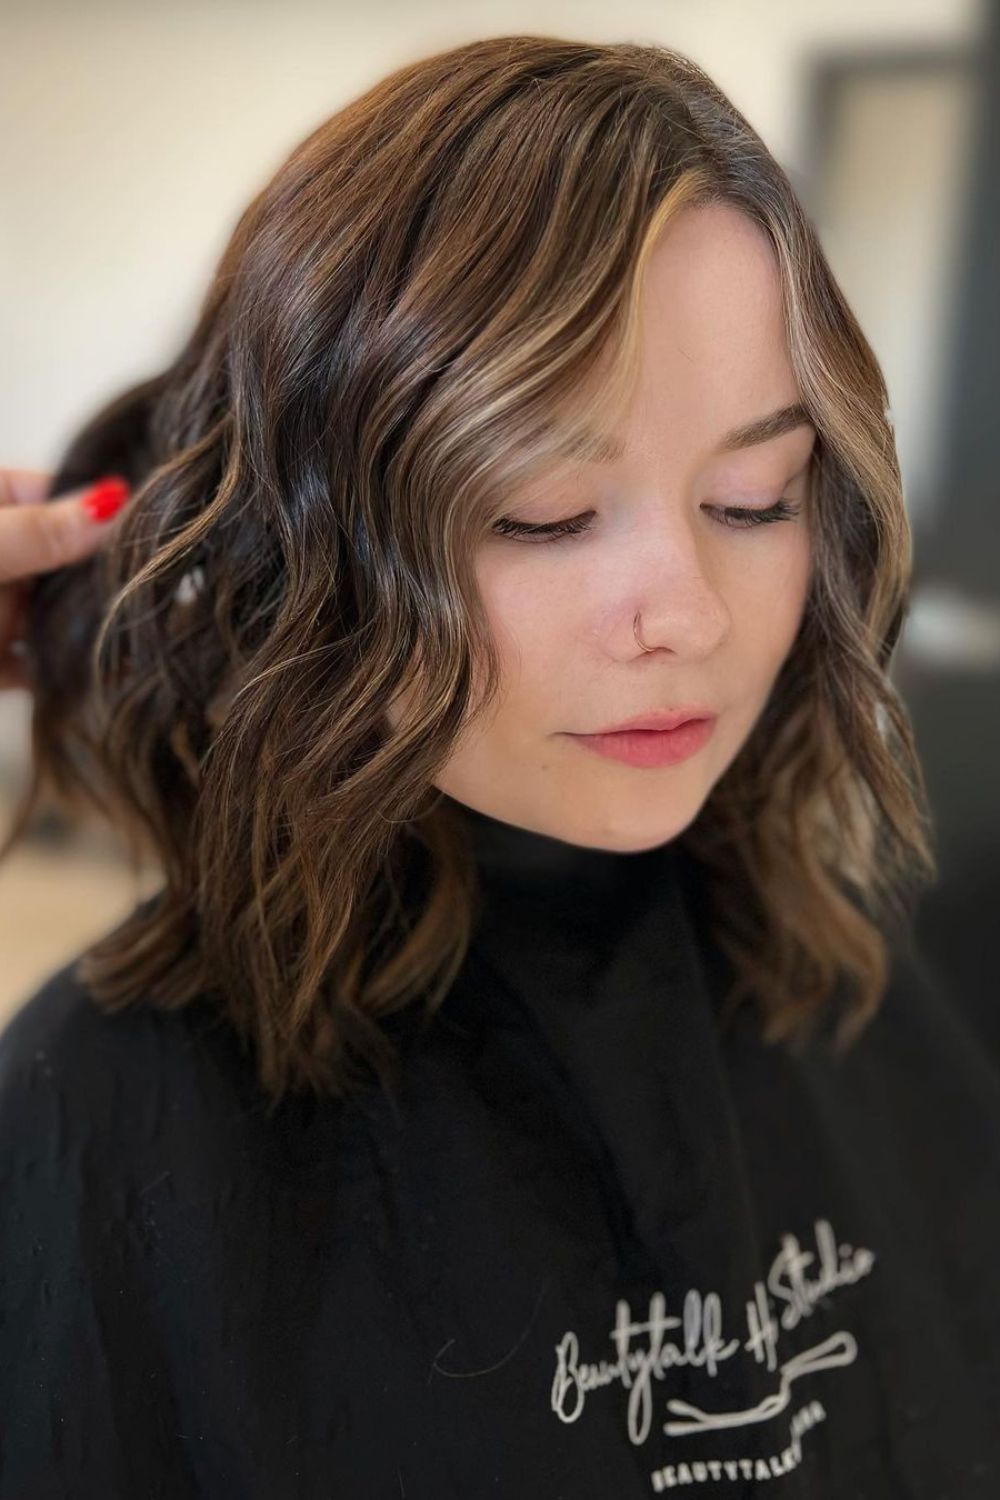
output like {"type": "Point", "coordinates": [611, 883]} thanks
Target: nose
{"type": "Point", "coordinates": [681, 608]}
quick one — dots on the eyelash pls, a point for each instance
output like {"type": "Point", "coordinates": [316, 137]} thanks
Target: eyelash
{"type": "Point", "coordinates": [783, 510]}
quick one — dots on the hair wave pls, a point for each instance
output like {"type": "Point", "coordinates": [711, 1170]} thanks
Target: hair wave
{"type": "Point", "coordinates": [435, 284]}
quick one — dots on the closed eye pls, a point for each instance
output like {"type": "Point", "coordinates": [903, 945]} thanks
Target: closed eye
{"type": "Point", "coordinates": [738, 517]}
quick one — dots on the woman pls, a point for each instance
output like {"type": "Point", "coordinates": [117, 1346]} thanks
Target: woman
{"type": "Point", "coordinates": [489, 1103]}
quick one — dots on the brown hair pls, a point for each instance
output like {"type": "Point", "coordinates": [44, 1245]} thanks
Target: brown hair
{"type": "Point", "coordinates": [436, 284]}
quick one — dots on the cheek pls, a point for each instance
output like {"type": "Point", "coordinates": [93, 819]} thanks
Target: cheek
{"type": "Point", "coordinates": [531, 615]}
{"type": "Point", "coordinates": [767, 600]}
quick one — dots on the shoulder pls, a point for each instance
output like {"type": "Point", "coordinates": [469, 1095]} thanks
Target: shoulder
{"type": "Point", "coordinates": [56, 1025]}
{"type": "Point", "coordinates": [918, 1068]}
{"type": "Point", "coordinates": [920, 1000]}
{"type": "Point", "coordinates": [61, 1032]}
{"type": "Point", "coordinates": [59, 1040]}
{"type": "Point", "coordinates": [72, 1070]}
{"type": "Point", "coordinates": [926, 1017]}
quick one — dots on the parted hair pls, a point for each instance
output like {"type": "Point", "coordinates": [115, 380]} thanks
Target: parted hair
{"type": "Point", "coordinates": [436, 284]}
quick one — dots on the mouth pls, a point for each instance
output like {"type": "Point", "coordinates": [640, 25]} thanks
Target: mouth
{"type": "Point", "coordinates": [650, 748]}
{"type": "Point", "coordinates": [659, 719]}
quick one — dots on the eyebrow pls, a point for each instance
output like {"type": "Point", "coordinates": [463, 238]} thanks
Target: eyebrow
{"type": "Point", "coordinates": [598, 449]}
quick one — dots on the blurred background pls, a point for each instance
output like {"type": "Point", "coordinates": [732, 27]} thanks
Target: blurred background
{"type": "Point", "coordinates": [133, 135]}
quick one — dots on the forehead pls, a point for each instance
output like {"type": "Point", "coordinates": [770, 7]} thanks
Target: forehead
{"type": "Point", "coordinates": [714, 373]}
{"type": "Point", "coordinates": [712, 270]}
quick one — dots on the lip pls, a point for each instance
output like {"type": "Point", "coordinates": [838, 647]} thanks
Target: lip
{"type": "Point", "coordinates": [649, 748]}
{"type": "Point", "coordinates": [660, 718]}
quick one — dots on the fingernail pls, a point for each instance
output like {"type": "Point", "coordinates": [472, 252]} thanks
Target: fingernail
{"type": "Point", "coordinates": [106, 497]}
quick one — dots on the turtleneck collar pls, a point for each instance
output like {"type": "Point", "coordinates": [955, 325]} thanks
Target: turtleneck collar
{"type": "Point", "coordinates": [539, 871]}
{"type": "Point", "coordinates": [600, 951]}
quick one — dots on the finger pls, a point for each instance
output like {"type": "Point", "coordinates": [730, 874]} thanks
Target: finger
{"type": "Point", "coordinates": [37, 538]}
{"type": "Point", "coordinates": [24, 486]}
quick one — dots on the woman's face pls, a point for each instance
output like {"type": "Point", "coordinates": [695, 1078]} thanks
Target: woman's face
{"type": "Point", "coordinates": [719, 605]}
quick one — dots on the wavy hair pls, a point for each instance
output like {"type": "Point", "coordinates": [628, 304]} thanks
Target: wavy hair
{"type": "Point", "coordinates": [436, 285]}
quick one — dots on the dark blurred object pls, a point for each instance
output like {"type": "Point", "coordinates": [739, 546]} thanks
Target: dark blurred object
{"type": "Point", "coordinates": [948, 665]}
{"type": "Point", "coordinates": [956, 710]}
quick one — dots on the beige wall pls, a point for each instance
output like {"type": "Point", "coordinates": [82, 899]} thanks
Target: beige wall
{"type": "Point", "coordinates": [132, 136]}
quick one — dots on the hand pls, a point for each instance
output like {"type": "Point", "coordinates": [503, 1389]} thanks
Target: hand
{"type": "Point", "coordinates": [36, 537]}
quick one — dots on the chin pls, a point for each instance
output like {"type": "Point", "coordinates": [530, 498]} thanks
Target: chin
{"type": "Point", "coordinates": [635, 839]}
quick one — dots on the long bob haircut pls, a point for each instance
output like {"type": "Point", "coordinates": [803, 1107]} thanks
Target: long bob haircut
{"type": "Point", "coordinates": [437, 287]}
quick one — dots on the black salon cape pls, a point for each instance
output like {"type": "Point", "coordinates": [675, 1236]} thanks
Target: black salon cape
{"type": "Point", "coordinates": [600, 1250]}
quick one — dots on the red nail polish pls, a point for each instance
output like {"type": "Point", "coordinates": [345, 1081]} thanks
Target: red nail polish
{"type": "Point", "coordinates": [106, 497]}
